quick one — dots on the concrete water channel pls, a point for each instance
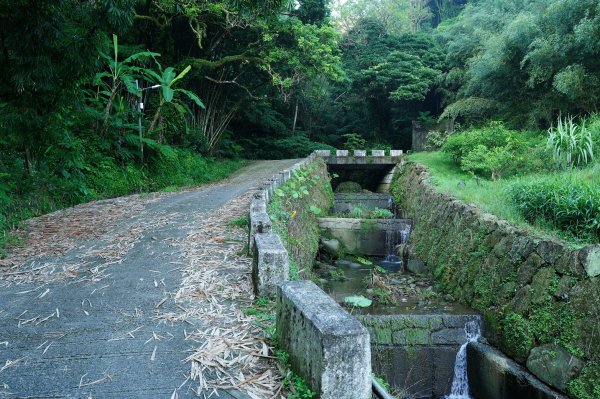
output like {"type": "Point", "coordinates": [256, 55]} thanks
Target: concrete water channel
{"type": "Point", "coordinates": [418, 340]}
{"type": "Point", "coordinates": [415, 333]}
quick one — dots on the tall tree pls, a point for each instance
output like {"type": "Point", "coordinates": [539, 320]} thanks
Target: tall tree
{"type": "Point", "coordinates": [418, 13]}
{"type": "Point", "coordinates": [47, 50]}
{"type": "Point", "coordinates": [526, 59]}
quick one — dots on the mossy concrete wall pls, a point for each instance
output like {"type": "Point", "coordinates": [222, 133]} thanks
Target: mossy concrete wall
{"type": "Point", "coordinates": [416, 353]}
{"type": "Point", "coordinates": [532, 292]}
{"type": "Point", "coordinates": [365, 236]}
{"type": "Point", "coordinates": [294, 219]}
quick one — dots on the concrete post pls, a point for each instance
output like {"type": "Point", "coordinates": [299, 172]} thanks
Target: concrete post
{"type": "Point", "coordinates": [328, 347]}
{"type": "Point", "coordinates": [270, 265]}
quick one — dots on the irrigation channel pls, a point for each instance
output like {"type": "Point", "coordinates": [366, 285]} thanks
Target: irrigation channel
{"type": "Point", "coordinates": [418, 336]}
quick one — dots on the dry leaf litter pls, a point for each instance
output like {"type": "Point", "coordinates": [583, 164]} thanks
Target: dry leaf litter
{"type": "Point", "coordinates": [231, 351]}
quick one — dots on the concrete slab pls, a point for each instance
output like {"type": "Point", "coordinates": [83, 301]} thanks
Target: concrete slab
{"type": "Point", "coordinates": [492, 375]}
{"type": "Point", "coordinates": [270, 265]}
{"type": "Point", "coordinates": [366, 236]}
{"type": "Point", "coordinates": [328, 347]}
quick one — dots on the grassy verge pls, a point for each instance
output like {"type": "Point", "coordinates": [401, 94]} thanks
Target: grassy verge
{"type": "Point", "coordinates": [494, 197]}
{"type": "Point", "coordinates": [22, 198]}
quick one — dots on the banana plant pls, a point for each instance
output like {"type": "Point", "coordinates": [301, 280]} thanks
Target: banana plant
{"type": "Point", "coordinates": [119, 74]}
{"type": "Point", "coordinates": [171, 96]}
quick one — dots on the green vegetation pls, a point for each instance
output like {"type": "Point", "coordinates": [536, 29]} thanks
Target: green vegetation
{"type": "Point", "coordinates": [293, 383]}
{"type": "Point", "coordinates": [514, 199]}
{"type": "Point", "coordinates": [565, 202]}
{"type": "Point", "coordinates": [263, 312]}
{"type": "Point", "coordinates": [348, 187]}
{"type": "Point", "coordinates": [571, 144]}
{"type": "Point", "coordinates": [294, 211]}
{"type": "Point", "coordinates": [241, 221]}
{"type": "Point", "coordinates": [517, 336]}
{"type": "Point", "coordinates": [494, 151]}
{"type": "Point", "coordinates": [587, 385]}
{"type": "Point", "coordinates": [358, 301]}
{"type": "Point", "coordinates": [497, 65]}
{"type": "Point", "coordinates": [360, 212]}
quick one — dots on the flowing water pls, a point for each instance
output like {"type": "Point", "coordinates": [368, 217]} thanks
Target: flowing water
{"type": "Point", "coordinates": [391, 262]}
{"type": "Point", "coordinates": [460, 382]}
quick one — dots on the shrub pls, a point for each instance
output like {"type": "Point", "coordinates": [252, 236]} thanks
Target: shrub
{"type": "Point", "coordinates": [568, 204]}
{"type": "Point", "coordinates": [354, 141]}
{"type": "Point", "coordinates": [435, 140]}
{"type": "Point", "coordinates": [487, 162]}
{"type": "Point", "coordinates": [593, 126]}
{"type": "Point", "coordinates": [348, 187]}
{"type": "Point", "coordinates": [495, 134]}
{"type": "Point", "coordinates": [571, 144]}
{"type": "Point", "coordinates": [493, 151]}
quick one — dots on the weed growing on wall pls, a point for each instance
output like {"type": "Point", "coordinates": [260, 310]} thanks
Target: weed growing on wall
{"type": "Point", "coordinates": [294, 211]}
{"type": "Point", "coordinates": [587, 385]}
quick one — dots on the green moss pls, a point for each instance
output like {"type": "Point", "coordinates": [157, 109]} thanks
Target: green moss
{"type": "Point", "coordinates": [292, 218]}
{"type": "Point", "coordinates": [587, 385]}
{"type": "Point", "coordinates": [555, 322]}
{"type": "Point", "coordinates": [348, 187]}
{"type": "Point", "coordinates": [517, 337]}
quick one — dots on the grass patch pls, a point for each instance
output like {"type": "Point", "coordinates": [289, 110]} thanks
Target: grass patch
{"type": "Point", "coordinates": [263, 311]}
{"type": "Point", "coordinates": [495, 196]}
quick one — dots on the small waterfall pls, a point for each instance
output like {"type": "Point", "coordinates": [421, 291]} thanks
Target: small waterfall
{"type": "Point", "coordinates": [390, 242]}
{"type": "Point", "coordinates": [404, 235]}
{"type": "Point", "coordinates": [460, 382]}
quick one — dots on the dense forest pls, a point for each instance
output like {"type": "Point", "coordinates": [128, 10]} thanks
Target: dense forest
{"type": "Point", "coordinates": [109, 97]}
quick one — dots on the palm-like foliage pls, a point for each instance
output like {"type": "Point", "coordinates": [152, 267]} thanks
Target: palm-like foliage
{"type": "Point", "coordinates": [170, 95]}
{"type": "Point", "coordinates": [570, 143]}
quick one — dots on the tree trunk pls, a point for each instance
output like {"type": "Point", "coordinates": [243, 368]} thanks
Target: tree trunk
{"type": "Point", "coordinates": [295, 117]}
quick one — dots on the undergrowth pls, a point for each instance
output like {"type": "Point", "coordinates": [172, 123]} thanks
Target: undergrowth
{"type": "Point", "coordinates": [496, 196]}
{"type": "Point", "coordinates": [23, 197]}
{"type": "Point", "coordinates": [263, 311]}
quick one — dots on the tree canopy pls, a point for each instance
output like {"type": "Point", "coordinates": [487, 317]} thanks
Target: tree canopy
{"type": "Point", "coordinates": [275, 78]}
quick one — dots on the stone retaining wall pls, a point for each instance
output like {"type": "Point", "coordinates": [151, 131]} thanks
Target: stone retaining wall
{"type": "Point", "coordinates": [531, 291]}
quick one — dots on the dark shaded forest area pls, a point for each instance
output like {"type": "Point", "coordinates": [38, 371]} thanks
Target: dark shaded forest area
{"type": "Point", "coordinates": [104, 98]}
